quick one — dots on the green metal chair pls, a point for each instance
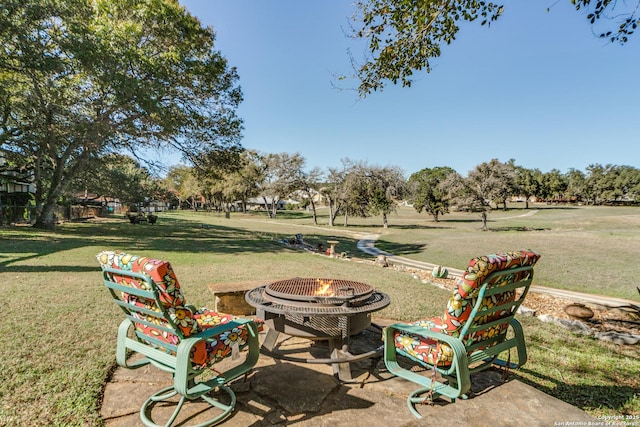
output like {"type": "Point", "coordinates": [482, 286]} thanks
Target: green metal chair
{"type": "Point", "coordinates": [476, 330]}
{"type": "Point", "coordinates": [175, 337]}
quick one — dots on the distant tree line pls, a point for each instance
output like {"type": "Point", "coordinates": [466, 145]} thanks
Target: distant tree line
{"type": "Point", "coordinates": [357, 189]}
{"type": "Point", "coordinates": [491, 184]}
{"type": "Point", "coordinates": [353, 189]}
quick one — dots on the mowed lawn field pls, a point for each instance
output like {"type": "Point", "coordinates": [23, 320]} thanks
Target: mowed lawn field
{"type": "Point", "coordinates": [585, 249]}
{"type": "Point", "coordinates": [57, 338]}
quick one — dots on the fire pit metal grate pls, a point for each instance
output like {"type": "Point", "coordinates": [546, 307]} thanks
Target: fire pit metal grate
{"type": "Point", "coordinates": [332, 291]}
{"type": "Point", "coordinates": [259, 298]}
{"type": "Point", "coordinates": [318, 309]}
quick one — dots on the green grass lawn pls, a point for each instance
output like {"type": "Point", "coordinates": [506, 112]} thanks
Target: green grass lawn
{"type": "Point", "coordinates": [57, 340]}
{"type": "Point", "coordinates": [585, 249]}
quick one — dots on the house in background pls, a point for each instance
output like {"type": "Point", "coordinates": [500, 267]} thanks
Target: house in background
{"type": "Point", "coordinates": [302, 196]}
{"type": "Point", "coordinates": [257, 203]}
{"type": "Point", "coordinates": [16, 188]}
{"type": "Point", "coordinates": [15, 180]}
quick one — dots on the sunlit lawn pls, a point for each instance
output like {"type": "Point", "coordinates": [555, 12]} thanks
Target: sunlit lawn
{"type": "Point", "coordinates": [57, 339]}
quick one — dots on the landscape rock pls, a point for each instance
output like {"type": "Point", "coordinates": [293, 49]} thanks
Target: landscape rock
{"type": "Point", "coordinates": [579, 311]}
{"type": "Point", "coordinates": [381, 260]}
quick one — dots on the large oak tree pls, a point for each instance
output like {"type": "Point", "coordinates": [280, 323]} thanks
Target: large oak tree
{"type": "Point", "coordinates": [83, 78]}
{"type": "Point", "coordinates": [485, 184]}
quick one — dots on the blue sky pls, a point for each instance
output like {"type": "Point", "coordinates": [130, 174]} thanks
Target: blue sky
{"type": "Point", "coordinates": [536, 86]}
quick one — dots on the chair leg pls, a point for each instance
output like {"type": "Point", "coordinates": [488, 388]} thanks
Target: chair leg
{"type": "Point", "coordinates": [225, 408]}
{"type": "Point", "coordinates": [415, 399]}
{"type": "Point", "coordinates": [168, 392]}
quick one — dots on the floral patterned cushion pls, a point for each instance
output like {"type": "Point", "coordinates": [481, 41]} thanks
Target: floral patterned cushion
{"type": "Point", "coordinates": [461, 304]}
{"type": "Point", "coordinates": [172, 300]}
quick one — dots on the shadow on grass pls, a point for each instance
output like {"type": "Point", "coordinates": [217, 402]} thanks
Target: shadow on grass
{"type": "Point", "coordinates": [462, 220]}
{"type": "Point", "coordinates": [556, 207]}
{"type": "Point", "coordinates": [46, 268]}
{"type": "Point", "coordinates": [517, 228]}
{"type": "Point", "coordinates": [379, 228]}
{"type": "Point", "coordinates": [435, 226]}
{"type": "Point", "coordinates": [26, 245]}
{"type": "Point", "coordinates": [400, 249]}
{"type": "Point", "coordinates": [583, 396]}
{"type": "Point", "coordinates": [513, 208]}
{"type": "Point", "coordinates": [282, 214]}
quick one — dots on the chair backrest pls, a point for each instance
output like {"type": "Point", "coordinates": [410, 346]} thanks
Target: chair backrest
{"type": "Point", "coordinates": [149, 293]}
{"type": "Point", "coordinates": [487, 297]}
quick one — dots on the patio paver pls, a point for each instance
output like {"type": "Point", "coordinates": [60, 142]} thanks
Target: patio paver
{"type": "Point", "coordinates": [281, 392]}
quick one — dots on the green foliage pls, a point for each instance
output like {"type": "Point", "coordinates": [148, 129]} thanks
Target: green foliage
{"type": "Point", "coordinates": [425, 192]}
{"type": "Point", "coordinates": [527, 182]}
{"type": "Point", "coordinates": [576, 185]}
{"type": "Point", "coordinates": [183, 183]}
{"type": "Point", "coordinates": [79, 79]}
{"type": "Point", "coordinates": [553, 185]}
{"type": "Point", "coordinates": [385, 186]}
{"type": "Point", "coordinates": [404, 36]}
{"type": "Point", "coordinates": [246, 181]}
{"type": "Point", "coordinates": [610, 182]}
{"type": "Point", "coordinates": [360, 190]}
{"type": "Point", "coordinates": [282, 176]}
{"type": "Point", "coordinates": [489, 182]}
{"type": "Point", "coordinates": [335, 190]}
{"type": "Point", "coordinates": [625, 15]}
{"type": "Point", "coordinates": [118, 177]}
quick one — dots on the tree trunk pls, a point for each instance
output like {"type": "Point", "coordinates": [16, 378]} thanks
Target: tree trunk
{"type": "Point", "coordinates": [331, 216]}
{"type": "Point", "coordinates": [385, 222]}
{"type": "Point", "coordinates": [346, 219]}
{"type": "Point", "coordinates": [46, 206]}
{"type": "Point", "coordinates": [484, 221]}
{"type": "Point", "coordinates": [267, 207]}
{"type": "Point", "coordinates": [314, 213]}
{"type": "Point", "coordinates": [46, 219]}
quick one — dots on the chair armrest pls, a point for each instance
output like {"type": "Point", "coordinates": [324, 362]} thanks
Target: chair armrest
{"type": "Point", "coordinates": [459, 362]}
{"type": "Point", "coordinates": [184, 347]}
{"type": "Point", "coordinates": [183, 356]}
{"type": "Point", "coordinates": [453, 342]}
{"type": "Point", "coordinates": [222, 327]}
{"type": "Point", "coordinates": [459, 366]}
{"type": "Point", "coordinates": [121, 352]}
